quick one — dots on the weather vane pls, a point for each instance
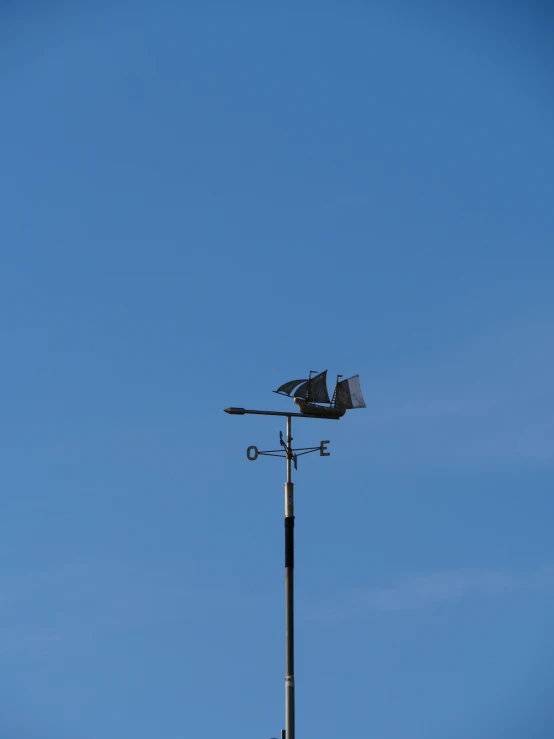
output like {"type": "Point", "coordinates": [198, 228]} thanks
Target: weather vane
{"type": "Point", "coordinates": [312, 399]}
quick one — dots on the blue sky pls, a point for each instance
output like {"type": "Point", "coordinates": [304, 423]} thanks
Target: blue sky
{"type": "Point", "coordinates": [199, 202]}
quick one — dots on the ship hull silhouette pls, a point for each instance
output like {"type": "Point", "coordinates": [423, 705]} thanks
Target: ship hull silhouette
{"type": "Point", "coordinates": [312, 409]}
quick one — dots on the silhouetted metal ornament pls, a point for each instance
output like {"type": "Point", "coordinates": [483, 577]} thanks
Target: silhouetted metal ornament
{"type": "Point", "coordinates": [312, 398]}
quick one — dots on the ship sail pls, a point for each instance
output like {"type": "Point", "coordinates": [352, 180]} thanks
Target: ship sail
{"type": "Point", "coordinates": [314, 390]}
{"type": "Point", "coordinates": [349, 394]}
{"type": "Point", "coordinates": [288, 387]}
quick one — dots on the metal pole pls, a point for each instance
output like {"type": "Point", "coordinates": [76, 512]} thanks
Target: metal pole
{"type": "Point", "coordinates": [289, 592]}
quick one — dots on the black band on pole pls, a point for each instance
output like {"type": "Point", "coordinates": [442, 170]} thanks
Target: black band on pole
{"type": "Point", "coordinates": [289, 541]}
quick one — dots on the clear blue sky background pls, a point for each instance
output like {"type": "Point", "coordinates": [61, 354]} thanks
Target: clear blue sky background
{"type": "Point", "coordinates": [198, 202]}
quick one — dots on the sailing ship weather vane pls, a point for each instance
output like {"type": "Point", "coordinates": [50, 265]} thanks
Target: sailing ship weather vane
{"type": "Point", "coordinates": [312, 400]}
{"type": "Point", "coordinates": [310, 394]}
